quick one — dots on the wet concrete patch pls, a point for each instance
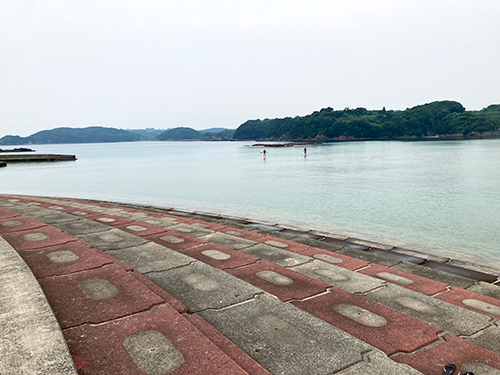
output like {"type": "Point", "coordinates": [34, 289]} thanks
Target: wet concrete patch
{"type": "Point", "coordinates": [459, 271]}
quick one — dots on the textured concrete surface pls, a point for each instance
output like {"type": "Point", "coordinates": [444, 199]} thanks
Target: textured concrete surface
{"type": "Point", "coordinates": [31, 341]}
{"type": "Point", "coordinates": [119, 276]}
{"type": "Point", "coordinates": [202, 287]}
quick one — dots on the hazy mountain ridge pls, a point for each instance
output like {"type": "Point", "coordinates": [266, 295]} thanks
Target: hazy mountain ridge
{"type": "Point", "coordinates": [99, 134]}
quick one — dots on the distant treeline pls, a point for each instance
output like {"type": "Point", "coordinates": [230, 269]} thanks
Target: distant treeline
{"type": "Point", "coordinates": [99, 134]}
{"type": "Point", "coordinates": [437, 118]}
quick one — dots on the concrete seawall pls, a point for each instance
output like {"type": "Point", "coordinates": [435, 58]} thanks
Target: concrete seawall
{"type": "Point", "coordinates": [151, 290]}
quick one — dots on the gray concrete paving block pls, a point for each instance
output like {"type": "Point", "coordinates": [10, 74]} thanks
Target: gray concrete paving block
{"type": "Point", "coordinates": [28, 210]}
{"type": "Point", "coordinates": [372, 258]}
{"type": "Point", "coordinates": [112, 239]}
{"type": "Point", "coordinates": [275, 255]}
{"type": "Point", "coordinates": [227, 240]}
{"type": "Point", "coordinates": [339, 277]}
{"type": "Point", "coordinates": [82, 226]}
{"type": "Point", "coordinates": [475, 267]}
{"type": "Point", "coordinates": [486, 289]}
{"type": "Point", "coordinates": [450, 318]}
{"type": "Point", "coordinates": [489, 339]}
{"type": "Point", "coordinates": [31, 339]}
{"type": "Point", "coordinates": [55, 217]}
{"type": "Point", "coordinates": [285, 339]}
{"type": "Point", "coordinates": [378, 364]}
{"type": "Point", "coordinates": [429, 273]}
{"type": "Point", "coordinates": [191, 230]}
{"type": "Point", "coordinates": [202, 287]}
{"type": "Point", "coordinates": [151, 257]}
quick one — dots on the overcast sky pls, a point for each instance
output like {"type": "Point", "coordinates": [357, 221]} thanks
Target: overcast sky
{"type": "Point", "coordinates": [213, 63]}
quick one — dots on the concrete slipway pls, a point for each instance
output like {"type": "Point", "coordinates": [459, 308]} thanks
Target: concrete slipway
{"type": "Point", "coordinates": [94, 287]}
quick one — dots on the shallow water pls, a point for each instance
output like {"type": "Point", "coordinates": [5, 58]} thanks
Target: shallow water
{"type": "Point", "coordinates": [445, 193]}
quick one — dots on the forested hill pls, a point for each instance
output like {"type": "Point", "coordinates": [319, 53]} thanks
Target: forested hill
{"type": "Point", "coordinates": [437, 118]}
{"type": "Point", "coordinates": [93, 134]}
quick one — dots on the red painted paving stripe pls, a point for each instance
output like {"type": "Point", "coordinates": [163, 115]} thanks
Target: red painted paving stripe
{"type": "Point", "coordinates": [172, 301]}
{"type": "Point", "coordinates": [452, 350]}
{"type": "Point", "coordinates": [387, 330]}
{"type": "Point", "coordinates": [6, 214]}
{"type": "Point", "coordinates": [20, 223]}
{"type": "Point", "coordinates": [420, 284]}
{"type": "Point", "coordinates": [205, 254]}
{"type": "Point", "coordinates": [175, 241]}
{"type": "Point", "coordinates": [291, 284]}
{"type": "Point", "coordinates": [223, 343]}
{"type": "Point", "coordinates": [340, 260]}
{"type": "Point", "coordinates": [91, 349]}
{"type": "Point", "coordinates": [64, 259]}
{"type": "Point", "coordinates": [121, 295]}
{"type": "Point", "coordinates": [37, 238]}
{"type": "Point", "coordinates": [487, 305]}
{"type": "Point", "coordinates": [282, 244]}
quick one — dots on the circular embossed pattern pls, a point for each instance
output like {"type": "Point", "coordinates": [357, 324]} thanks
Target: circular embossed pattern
{"type": "Point", "coordinates": [32, 237]}
{"type": "Point", "coordinates": [201, 282]}
{"type": "Point", "coordinates": [172, 239]}
{"type": "Point", "coordinates": [98, 289]}
{"type": "Point", "coordinates": [11, 223]}
{"type": "Point", "coordinates": [328, 258]}
{"type": "Point", "coordinates": [64, 256]}
{"type": "Point", "coordinates": [360, 315]}
{"type": "Point", "coordinates": [216, 254]}
{"type": "Point", "coordinates": [153, 353]}
{"type": "Point", "coordinates": [395, 278]}
{"type": "Point", "coordinates": [274, 278]}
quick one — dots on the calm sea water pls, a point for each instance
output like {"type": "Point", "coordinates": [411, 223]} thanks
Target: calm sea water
{"type": "Point", "coordinates": [445, 193]}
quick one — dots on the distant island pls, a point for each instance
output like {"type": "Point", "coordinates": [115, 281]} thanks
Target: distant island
{"type": "Point", "coordinates": [441, 119]}
{"type": "Point", "coordinates": [99, 134]}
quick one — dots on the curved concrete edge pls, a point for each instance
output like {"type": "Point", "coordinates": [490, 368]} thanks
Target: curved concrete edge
{"type": "Point", "coordinates": [470, 261]}
{"type": "Point", "coordinates": [32, 341]}
{"type": "Point", "coordinates": [413, 248]}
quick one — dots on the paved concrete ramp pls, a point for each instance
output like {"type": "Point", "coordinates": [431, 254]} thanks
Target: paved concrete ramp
{"type": "Point", "coordinates": [31, 341]}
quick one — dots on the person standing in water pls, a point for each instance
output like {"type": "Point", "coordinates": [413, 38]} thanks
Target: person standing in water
{"type": "Point", "coordinates": [264, 152]}
{"type": "Point", "coordinates": [305, 151]}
